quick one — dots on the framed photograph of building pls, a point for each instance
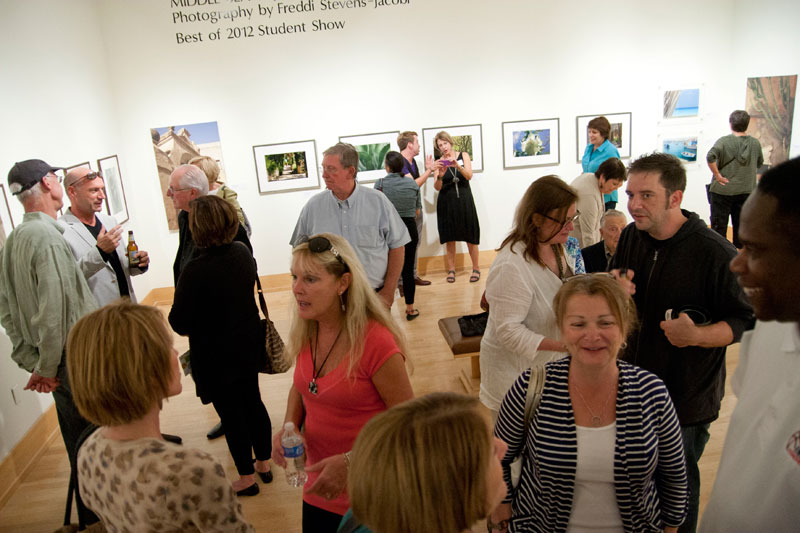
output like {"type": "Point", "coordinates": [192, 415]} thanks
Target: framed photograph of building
{"type": "Point", "coordinates": [620, 135]}
{"type": "Point", "coordinates": [116, 204]}
{"type": "Point", "coordinates": [372, 149]}
{"type": "Point", "coordinates": [531, 143]}
{"type": "Point", "coordinates": [285, 167]}
{"type": "Point", "coordinates": [465, 139]}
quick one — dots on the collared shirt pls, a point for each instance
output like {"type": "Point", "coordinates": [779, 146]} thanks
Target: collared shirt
{"type": "Point", "coordinates": [42, 293]}
{"type": "Point", "coordinates": [367, 219]}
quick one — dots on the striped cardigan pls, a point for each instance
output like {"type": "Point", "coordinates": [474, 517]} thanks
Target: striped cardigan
{"type": "Point", "coordinates": [649, 468]}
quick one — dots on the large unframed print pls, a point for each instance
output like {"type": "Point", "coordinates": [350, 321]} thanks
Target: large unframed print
{"type": "Point", "coordinates": [285, 167]}
{"type": "Point", "coordinates": [465, 139]}
{"type": "Point", "coordinates": [372, 149]}
{"type": "Point", "coordinates": [177, 145]}
{"type": "Point", "coordinates": [770, 103]}
{"type": "Point", "coordinates": [531, 143]}
{"type": "Point", "coordinates": [116, 204]}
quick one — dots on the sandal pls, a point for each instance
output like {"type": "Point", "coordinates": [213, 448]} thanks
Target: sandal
{"type": "Point", "coordinates": [476, 276]}
{"type": "Point", "coordinates": [412, 316]}
{"type": "Point", "coordinates": [451, 276]}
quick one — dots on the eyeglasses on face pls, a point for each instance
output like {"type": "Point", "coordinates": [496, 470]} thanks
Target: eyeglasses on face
{"type": "Point", "coordinates": [320, 245]}
{"type": "Point", "coordinates": [171, 191]}
{"type": "Point", "coordinates": [564, 222]}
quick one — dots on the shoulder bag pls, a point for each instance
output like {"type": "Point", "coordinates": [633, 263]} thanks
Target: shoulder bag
{"type": "Point", "coordinates": [274, 362]}
{"type": "Point", "coordinates": [532, 399]}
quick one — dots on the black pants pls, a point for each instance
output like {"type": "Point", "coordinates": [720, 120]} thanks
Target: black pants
{"type": "Point", "coordinates": [409, 287]}
{"type": "Point", "coordinates": [722, 207]}
{"type": "Point", "coordinates": [316, 520]}
{"type": "Point", "coordinates": [248, 428]}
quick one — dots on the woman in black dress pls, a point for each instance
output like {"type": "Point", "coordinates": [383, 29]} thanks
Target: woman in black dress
{"type": "Point", "coordinates": [455, 208]}
{"type": "Point", "coordinates": [225, 354]}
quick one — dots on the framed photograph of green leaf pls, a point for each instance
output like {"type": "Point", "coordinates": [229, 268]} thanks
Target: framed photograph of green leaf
{"type": "Point", "coordinates": [531, 143]}
{"type": "Point", "coordinates": [372, 149]}
{"type": "Point", "coordinates": [285, 167]}
{"type": "Point", "coordinates": [465, 139]}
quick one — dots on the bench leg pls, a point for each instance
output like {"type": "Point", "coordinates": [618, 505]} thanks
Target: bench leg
{"type": "Point", "coordinates": [475, 361]}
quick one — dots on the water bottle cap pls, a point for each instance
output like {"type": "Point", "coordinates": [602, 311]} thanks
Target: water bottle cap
{"type": "Point", "coordinates": [288, 426]}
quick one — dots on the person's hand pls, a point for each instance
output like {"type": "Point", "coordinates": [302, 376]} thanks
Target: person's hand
{"type": "Point", "coordinates": [387, 295]}
{"type": "Point", "coordinates": [429, 163]}
{"type": "Point", "coordinates": [681, 331]}
{"type": "Point", "coordinates": [416, 213]}
{"type": "Point", "coordinates": [332, 478]}
{"type": "Point", "coordinates": [277, 450]}
{"type": "Point", "coordinates": [722, 180]}
{"type": "Point", "coordinates": [144, 259]}
{"type": "Point", "coordinates": [41, 384]}
{"type": "Point", "coordinates": [624, 277]}
{"type": "Point", "coordinates": [108, 240]}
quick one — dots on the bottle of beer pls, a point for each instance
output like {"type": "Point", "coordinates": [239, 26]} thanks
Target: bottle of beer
{"type": "Point", "coordinates": [133, 260]}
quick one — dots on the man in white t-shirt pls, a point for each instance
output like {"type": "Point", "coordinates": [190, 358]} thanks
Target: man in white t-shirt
{"type": "Point", "coordinates": [758, 482]}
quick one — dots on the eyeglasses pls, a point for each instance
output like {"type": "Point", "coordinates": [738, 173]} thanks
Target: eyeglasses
{"type": "Point", "coordinates": [320, 245]}
{"type": "Point", "coordinates": [171, 191]}
{"type": "Point", "coordinates": [564, 222]}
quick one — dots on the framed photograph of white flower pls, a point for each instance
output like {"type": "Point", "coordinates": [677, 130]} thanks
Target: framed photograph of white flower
{"type": "Point", "coordinates": [531, 143]}
{"type": "Point", "coordinates": [372, 149]}
{"type": "Point", "coordinates": [285, 167]}
{"type": "Point", "coordinates": [116, 204]}
{"type": "Point", "coordinates": [465, 139]}
{"type": "Point", "coordinates": [619, 136]}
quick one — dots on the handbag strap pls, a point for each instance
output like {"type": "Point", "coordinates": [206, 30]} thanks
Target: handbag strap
{"type": "Point", "coordinates": [262, 303]}
{"type": "Point", "coordinates": [534, 394]}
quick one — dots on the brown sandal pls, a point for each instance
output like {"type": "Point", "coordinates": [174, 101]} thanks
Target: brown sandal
{"type": "Point", "coordinates": [451, 276]}
{"type": "Point", "coordinates": [476, 276]}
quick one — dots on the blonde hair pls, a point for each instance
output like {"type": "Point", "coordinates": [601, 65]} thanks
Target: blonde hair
{"type": "Point", "coordinates": [119, 362]}
{"type": "Point", "coordinates": [422, 466]}
{"type": "Point", "coordinates": [207, 165]}
{"type": "Point", "coordinates": [361, 302]}
{"type": "Point", "coordinates": [598, 284]}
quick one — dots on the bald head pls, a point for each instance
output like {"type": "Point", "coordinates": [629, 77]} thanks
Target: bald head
{"type": "Point", "coordinates": [86, 190]}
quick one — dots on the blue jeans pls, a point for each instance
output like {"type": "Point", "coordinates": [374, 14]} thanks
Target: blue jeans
{"type": "Point", "coordinates": [694, 442]}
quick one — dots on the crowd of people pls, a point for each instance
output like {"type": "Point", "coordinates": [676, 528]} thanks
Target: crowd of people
{"type": "Point", "coordinates": [597, 389]}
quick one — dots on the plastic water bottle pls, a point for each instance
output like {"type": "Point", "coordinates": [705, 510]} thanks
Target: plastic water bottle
{"type": "Point", "coordinates": [294, 452]}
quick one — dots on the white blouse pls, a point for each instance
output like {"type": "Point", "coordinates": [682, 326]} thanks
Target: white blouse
{"type": "Point", "coordinates": [520, 295]}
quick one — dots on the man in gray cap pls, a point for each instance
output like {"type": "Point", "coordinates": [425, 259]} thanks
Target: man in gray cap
{"type": "Point", "coordinates": [42, 294]}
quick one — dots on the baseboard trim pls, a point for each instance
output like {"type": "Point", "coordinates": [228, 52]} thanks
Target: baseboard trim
{"type": "Point", "coordinates": [26, 453]}
{"type": "Point", "coordinates": [283, 282]}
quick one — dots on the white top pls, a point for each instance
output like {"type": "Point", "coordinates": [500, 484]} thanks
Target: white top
{"type": "Point", "coordinates": [594, 503]}
{"type": "Point", "coordinates": [758, 481]}
{"type": "Point", "coordinates": [520, 295]}
{"type": "Point", "coordinates": [591, 207]}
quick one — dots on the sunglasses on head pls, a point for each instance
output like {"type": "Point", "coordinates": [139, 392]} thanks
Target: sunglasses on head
{"type": "Point", "coordinates": [320, 245]}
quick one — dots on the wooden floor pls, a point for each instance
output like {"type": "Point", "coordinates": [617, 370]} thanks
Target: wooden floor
{"type": "Point", "coordinates": [38, 504]}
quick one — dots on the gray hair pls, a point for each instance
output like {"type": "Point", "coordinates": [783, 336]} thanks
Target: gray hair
{"type": "Point", "coordinates": [612, 213]}
{"type": "Point", "coordinates": [347, 154]}
{"type": "Point", "coordinates": [193, 177]}
{"type": "Point", "coordinates": [34, 192]}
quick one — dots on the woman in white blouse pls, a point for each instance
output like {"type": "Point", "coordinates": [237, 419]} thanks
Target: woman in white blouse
{"type": "Point", "coordinates": [530, 267]}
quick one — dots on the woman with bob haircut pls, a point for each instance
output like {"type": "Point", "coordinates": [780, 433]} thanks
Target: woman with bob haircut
{"type": "Point", "coordinates": [598, 150]}
{"type": "Point", "coordinates": [438, 467]}
{"type": "Point", "coordinates": [404, 195]}
{"type": "Point", "coordinates": [603, 450]}
{"type": "Point", "coordinates": [350, 366]}
{"type": "Point", "coordinates": [122, 366]}
{"type": "Point", "coordinates": [531, 264]}
{"type": "Point", "coordinates": [455, 208]}
{"type": "Point", "coordinates": [225, 356]}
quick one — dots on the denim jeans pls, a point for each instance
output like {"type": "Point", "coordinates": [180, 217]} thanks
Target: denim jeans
{"type": "Point", "coordinates": [694, 442]}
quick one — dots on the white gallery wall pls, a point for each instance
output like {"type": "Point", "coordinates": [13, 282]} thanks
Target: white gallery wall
{"type": "Point", "coordinates": [84, 79]}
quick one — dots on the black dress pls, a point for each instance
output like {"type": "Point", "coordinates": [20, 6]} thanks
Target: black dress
{"type": "Point", "coordinates": [455, 209]}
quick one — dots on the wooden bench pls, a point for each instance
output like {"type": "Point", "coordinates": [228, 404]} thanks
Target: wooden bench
{"type": "Point", "coordinates": [462, 347]}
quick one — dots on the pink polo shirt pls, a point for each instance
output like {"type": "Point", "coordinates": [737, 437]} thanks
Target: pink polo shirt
{"type": "Point", "coordinates": [342, 406]}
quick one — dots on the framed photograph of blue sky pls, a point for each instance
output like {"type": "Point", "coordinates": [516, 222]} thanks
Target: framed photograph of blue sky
{"type": "Point", "coordinates": [682, 103]}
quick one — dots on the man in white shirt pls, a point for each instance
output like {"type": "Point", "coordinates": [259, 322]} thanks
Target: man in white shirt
{"type": "Point", "coordinates": [758, 482]}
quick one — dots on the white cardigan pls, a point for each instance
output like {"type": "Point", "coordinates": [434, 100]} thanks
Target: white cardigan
{"type": "Point", "coordinates": [520, 295]}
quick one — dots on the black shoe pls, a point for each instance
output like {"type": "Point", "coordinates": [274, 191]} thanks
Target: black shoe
{"type": "Point", "coordinates": [215, 432]}
{"type": "Point", "coordinates": [252, 490]}
{"type": "Point", "coordinates": [412, 316]}
{"type": "Point", "coordinates": [266, 477]}
{"type": "Point", "coordinates": [172, 438]}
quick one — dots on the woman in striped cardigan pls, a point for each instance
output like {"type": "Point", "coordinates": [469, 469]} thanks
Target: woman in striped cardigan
{"type": "Point", "coordinates": [589, 463]}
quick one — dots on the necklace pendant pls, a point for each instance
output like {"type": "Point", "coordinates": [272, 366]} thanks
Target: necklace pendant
{"type": "Point", "coordinates": [596, 420]}
{"type": "Point", "coordinates": [312, 387]}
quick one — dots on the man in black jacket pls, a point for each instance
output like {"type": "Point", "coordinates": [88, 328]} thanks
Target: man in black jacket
{"type": "Point", "coordinates": [671, 261]}
{"type": "Point", "coordinates": [597, 256]}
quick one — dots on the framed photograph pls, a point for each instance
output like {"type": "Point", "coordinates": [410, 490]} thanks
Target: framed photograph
{"type": "Point", "coordinates": [372, 149]}
{"type": "Point", "coordinates": [286, 167]}
{"type": "Point", "coordinates": [465, 139]}
{"type": "Point", "coordinates": [116, 204]}
{"type": "Point", "coordinates": [620, 135]}
{"type": "Point", "coordinates": [531, 143]}
{"type": "Point", "coordinates": [681, 103]}
{"type": "Point", "coordinates": [63, 175]}
{"type": "Point", "coordinates": [683, 143]}
{"type": "Point", "coordinates": [6, 219]}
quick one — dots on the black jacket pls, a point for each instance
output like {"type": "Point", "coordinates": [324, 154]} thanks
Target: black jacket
{"type": "Point", "coordinates": [690, 268]}
{"type": "Point", "coordinates": [594, 257]}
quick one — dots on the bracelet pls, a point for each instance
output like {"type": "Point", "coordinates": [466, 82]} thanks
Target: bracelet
{"type": "Point", "coordinates": [347, 459]}
{"type": "Point", "coordinates": [502, 525]}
